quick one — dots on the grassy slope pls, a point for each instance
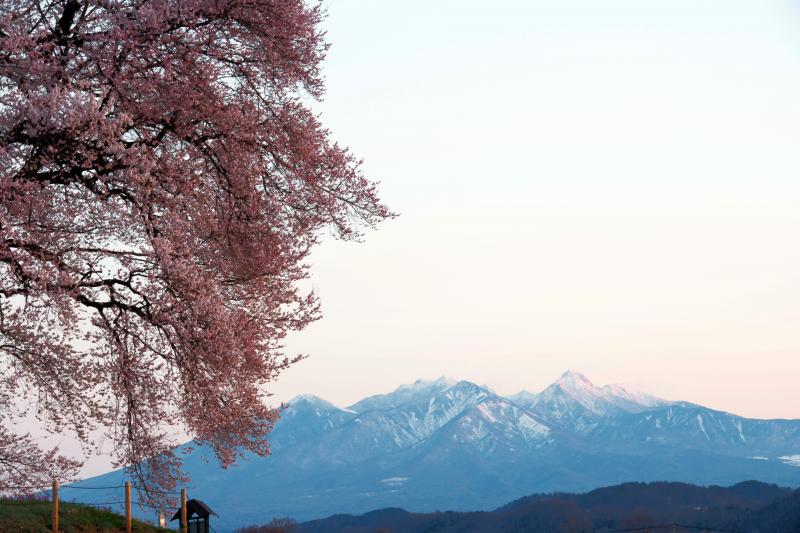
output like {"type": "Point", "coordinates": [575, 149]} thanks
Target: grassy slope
{"type": "Point", "coordinates": [35, 517]}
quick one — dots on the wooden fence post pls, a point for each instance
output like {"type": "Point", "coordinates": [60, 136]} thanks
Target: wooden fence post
{"type": "Point", "coordinates": [184, 523]}
{"type": "Point", "coordinates": [55, 506]}
{"type": "Point", "coordinates": [128, 507]}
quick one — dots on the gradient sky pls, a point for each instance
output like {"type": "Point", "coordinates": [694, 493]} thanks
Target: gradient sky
{"type": "Point", "coordinates": [612, 187]}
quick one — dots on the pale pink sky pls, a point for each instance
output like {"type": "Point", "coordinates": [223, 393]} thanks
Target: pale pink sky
{"type": "Point", "coordinates": [612, 187]}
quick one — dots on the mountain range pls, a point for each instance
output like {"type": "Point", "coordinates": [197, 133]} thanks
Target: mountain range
{"type": "Point", "coordinates": [446, 444]}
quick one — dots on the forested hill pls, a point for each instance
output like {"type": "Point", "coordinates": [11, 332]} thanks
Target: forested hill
{"type": "Point", "coordinates": [751, 507]}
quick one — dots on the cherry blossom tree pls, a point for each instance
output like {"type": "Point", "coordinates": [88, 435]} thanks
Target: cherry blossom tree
{"type": "Point", "coordinates": [162, 181]}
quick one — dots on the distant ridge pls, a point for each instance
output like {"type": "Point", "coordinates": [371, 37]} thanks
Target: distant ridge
{"type": "Point", "coordinates": [449, 444]}
{"type": "Point", "coordinates": [749, 506]}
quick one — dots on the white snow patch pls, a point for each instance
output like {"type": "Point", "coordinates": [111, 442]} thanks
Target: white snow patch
{"type": "Point", "coordinates": [309, 398]}
{"type": "Point", "coordinates": [443, 381]}
{"type": "Point", "coordinates": [793, 460]}
{"type": "Point", "coordinates": [394, 481]}
{"type": "Point", "coordinates": [739, 427]}
{"type": "Point", "coordinates": [636, 397]}
{"type": "Point", "coordinates": [531, 428]}
{"type": "Point", "coordinates": [702, 427]}
{"type": "Point", "coordinates": [487, 412]}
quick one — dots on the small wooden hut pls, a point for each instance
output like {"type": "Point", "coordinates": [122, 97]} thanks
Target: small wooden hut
{"type": "Point", "coordinates": [197, 516]}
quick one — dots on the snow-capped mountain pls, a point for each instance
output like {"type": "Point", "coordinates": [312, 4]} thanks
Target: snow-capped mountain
{"type": "Point", "coordinates": [575, 403]}
{"type": "Point", "coordinates": [404, 394]}
{"type": "Point", "coordinates": [456, 445]}
{"type": "Point", "coordinates": [632, 401]}
{"type": "Point", "coordinates": [693, 427]}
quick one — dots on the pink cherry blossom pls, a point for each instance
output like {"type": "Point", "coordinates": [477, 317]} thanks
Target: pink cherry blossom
{"type": "Point", "coordinates": [162, 185]}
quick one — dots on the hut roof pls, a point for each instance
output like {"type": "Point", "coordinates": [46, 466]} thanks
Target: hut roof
{"type": "Point", "coordinates": [195, 507]}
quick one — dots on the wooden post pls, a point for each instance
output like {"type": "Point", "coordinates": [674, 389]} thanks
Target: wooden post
{"type": "Point", "coordinates": [184, 522]}
{"type": "Point", "coordinates": [128, 507]}
{"type": "Point", "coordinates": [55, 506]}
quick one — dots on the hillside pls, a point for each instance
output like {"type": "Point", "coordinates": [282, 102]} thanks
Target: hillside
{"type": "Point", "coordinates": [35, 516]}
{"type": "Point", "coordinates": [753, 507]}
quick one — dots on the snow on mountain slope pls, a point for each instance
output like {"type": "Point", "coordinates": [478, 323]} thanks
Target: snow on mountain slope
{"type": "Point", "coordinates": [497, 422]}
{"type": "Point", "coordinates": [688, 426]}
{"type": "Point", "coordinates": [408, 416]}
{"type": "Point", "coordinates": [420, 415]}
{"type": "Point", "coordinates": [572, 402]}
{"type": "Point", "coordinates": [632, 401]}
{"type": "Point", "coordinates": [612, 416]}
{"type": "Point", "coordinates": [523, 397]}
{"type": "Point", "coordinates": [306, 417]}
{"type": "Point", "coordinates": [403, 395]}
{"type": "Point", "coordinates": [310, 404]}
{"type": "Point", "coordinates": [576, 403]}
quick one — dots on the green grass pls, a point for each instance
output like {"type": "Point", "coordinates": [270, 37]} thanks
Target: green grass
{"type": "Point", "coordinates": [33, 516]}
